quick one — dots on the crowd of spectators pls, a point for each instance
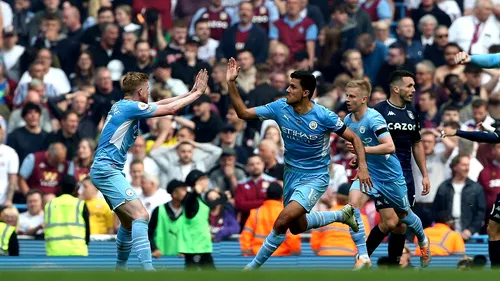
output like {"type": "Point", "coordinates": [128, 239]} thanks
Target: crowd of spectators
{"type": "Point", "coordinates": [62, 60]}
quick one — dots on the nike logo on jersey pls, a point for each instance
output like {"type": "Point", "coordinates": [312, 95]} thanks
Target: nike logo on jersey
{"type": "Point", "coordinates": [391, 113]}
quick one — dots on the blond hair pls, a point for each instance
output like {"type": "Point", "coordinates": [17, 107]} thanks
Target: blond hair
{"type": "Point", "coordinates": [363, 85]}
{"type": "Point", "coordinates": [133, 81]}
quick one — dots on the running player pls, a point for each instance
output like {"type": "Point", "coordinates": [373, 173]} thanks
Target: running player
{"type": "Point", "coordinates": [492, 135]}
{"type": "Point", "coordinates": [388, 181]}
{"type": "Point", "coordinates": [305, 128]}
{"type": "Point", "coordinates": [403, 124]}
{"type": "Point", "coordinates": [118, 135]}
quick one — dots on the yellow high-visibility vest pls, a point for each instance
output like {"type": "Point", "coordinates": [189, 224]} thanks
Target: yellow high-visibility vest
{"type": "Point", "coordinates": [65, 227]}
{"type": "Point", "coordinates": [6, 232]}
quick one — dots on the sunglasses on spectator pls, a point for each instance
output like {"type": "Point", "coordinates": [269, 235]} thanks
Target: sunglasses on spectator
{"type": "Point", "coordinates": [441, 36]}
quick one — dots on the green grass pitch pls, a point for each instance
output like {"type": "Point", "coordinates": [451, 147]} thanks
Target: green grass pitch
{"type": "Point", "coordinates": [310, 275]}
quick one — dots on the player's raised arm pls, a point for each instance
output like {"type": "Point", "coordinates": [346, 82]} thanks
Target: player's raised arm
{"type": "Point", "coordinates": [193, 90]}
{"type": "Point", "coordinates": [489, 136]}
{"type": "Point", "coordinates": [199, 88]}
{"type": "Point", "coordinates": [239, 106]}
{"type": "Point", "coordinates": [483, 61]}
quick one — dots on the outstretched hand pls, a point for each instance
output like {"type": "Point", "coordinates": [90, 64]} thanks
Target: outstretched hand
{"type": "Point", "coordinates": [232, 70]}
{"type": "Point", "coordinates": [201, 82]}
{"type": "Point", "coordinates": [462, 58]}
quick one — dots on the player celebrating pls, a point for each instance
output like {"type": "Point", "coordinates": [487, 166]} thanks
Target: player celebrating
{"type": "Point", "coordinates": [389, 183]}
{"type": "Point", "coordinates": [404, 127]}
{"type": "Point", "coordinates": [305, 128]}
{"type": "Point", "coordinates": [118, 135]}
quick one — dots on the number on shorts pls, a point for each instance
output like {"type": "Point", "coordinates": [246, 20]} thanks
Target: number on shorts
{"type": "Point", "coordinates": [405, 201]}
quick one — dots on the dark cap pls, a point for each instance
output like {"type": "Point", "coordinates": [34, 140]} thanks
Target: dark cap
{"type": "Point", "coordinates": [193, 177]}
{"type": "Point", "coordinates": [300, 56]}
{"type": "Point", "coordinates": [202, 99]}
{"type": "Point", "coordinates": [344, 189]}
{"type": "Point", "coordinates": [228, 151]}
{"type": "Point", "coordinates": [274, 191]}
{"type": "Point", "coordinates": [9, 31]}
{"type": "Point", "coordinates": [163, 64]}
{"type": "Point", "coordinates": [193, 40]}
{"type": "Point", "coordinates": [228, 128]}
{"type": "Point", "coordinates": [68, 184]}
{"type": "Point", "coordinates": [172, 185]}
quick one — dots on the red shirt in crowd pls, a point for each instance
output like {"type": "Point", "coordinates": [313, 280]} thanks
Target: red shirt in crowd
{"type": "Point", "coordinates": [490, 180]}
{"type": "Point", "coordinates": [293, 37]}
{"type": "Point", "coordinates": [218, 21]}
{"type": "Point", "coordinates": [241, 38]}
{"type": "Point", "coordinates": [45, 177]}
{"type": "Point", "coordinates": [250, 194]}
{"type": "Point", "coordinates": [261, 17]}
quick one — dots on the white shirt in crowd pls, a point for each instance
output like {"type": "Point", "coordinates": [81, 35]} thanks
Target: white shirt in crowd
{"type": "Point", "coordinates": [456, 210]}
{"type": "Point", "coordinates": [475, 167]}
{"type": "Point", "coordinates": [176, 87]}
{"type": "Point", "coordinates": [54, 76]}
{"type": "Point", "coordinates": [149, 166]}
{"type": "Point", "coordinates": [7, 15]}
{"type": "Point", "coordinates": [462, 32]}
{"type": "Point", "coordinates": [469, 4]}
{"type": "Point", "coordinates": [9, 165]}
{"type": "Point", "coordinates": [427, 41]}
{"type": "Point", "coordinates": [436, 165]}
{"type": "Point", "coordinates": [159, 198]}
{"type": "Point", "coordinates": [207, 51]}
{"type": "Point", "coordinates": [28, 221]}
{"type": "Point", "coordinates": [450, 7]}
{"type": "Point", "coordinates": [11, 58]}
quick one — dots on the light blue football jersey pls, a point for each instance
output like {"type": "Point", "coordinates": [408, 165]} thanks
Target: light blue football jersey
{"type": "Point", "coordinates": [120, 130]}
{"type": "Point", "coordinates": [306, 137]}
{"type": "Point", "coordinates": [370, 128]}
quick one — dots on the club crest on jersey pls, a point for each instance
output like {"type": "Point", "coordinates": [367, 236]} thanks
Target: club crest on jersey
{"type": "Point", "coordinates": [129, 192]}
{"type": "Point", "coordinates": [262, 10]}
{"type": "Point", "coordinates": [410, 114]}
{"type": "Point", "coordinates": [362, 129]}
{"type": "Point", "coordinates": [223, 16]}
{"type": "Point", "coordinates": [301, 29]}
{"type": "Point", "coordinates": [313, 125]}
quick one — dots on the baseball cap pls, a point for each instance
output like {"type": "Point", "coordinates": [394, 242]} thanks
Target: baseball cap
{"type": "Point", "coordinates": [116, 68]}
{"type": "Point", "coordinates": [9, 31]}
{"type": "Point", "coordinates": [172, 185]}
{"type": "Point", "coordinates": [228, 151]}
{"type": "Point", "coordinates": [193, 40]}
{"type": "Point", "coordinates": [228, 128]}
{"type": "Point", "coordinates": [202, 99]}
{"type": "Point", "coordinates": [193, 177]}
{"type": "Point", "coordinates": [300, 56]}
{"type": "Point", "coordinates": [163, 64]}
